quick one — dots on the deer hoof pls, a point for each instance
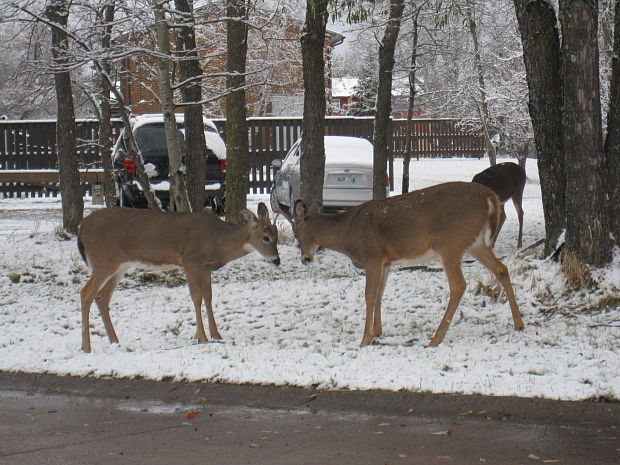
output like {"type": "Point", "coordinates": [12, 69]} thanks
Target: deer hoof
{"type": "Point", "coordinates": [369, 340]}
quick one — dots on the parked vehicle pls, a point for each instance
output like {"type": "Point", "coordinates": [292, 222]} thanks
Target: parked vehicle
{"type": "Point", "coordinates": [348, 174]}
{"type": "Point", "coordinates": [150, 137]}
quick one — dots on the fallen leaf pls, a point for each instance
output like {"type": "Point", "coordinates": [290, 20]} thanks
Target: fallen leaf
{"type": "Point", "coordinates": [443, 433]}
{"type": "Point", "coordinates": [192, 415]}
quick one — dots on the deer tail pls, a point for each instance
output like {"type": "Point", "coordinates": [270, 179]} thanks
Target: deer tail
{"type": "Point", "coordinates": [82, 251]}
{"type": "Point", "coordinates": [494, 216]}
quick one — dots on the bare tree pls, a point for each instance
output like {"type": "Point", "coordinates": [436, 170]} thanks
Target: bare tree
{"type": "Point", "coordinates": [483, 104]}
{"type": "Point", "coordinates": [415, 29]}
{"type": "Point", "coordinates": [612, 142]}
{"type": "Point", "coordinates": [105, 111]}
{"type": "Point", "coordinates": [57, 12]}
{"type": "Point", "coordinates": [190, 76]}
{"type": "Point", "coordinates": [237, 168]}
{"type": "Point", "coordinates": [178, 189]}
{"type": "Point", "coordinates": [382, 127]}
{"type": "Point", "coordinates": [312, 164]}
{"type": "Point", "coordinates": [587, 226]}
{"type": "Point", "coordinates": [541, 54]}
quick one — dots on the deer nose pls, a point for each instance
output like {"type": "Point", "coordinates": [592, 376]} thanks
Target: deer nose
{"type": "Point", "coordinates": [305, 260]}
{"type": "Point", "coordinates": [276, 262]}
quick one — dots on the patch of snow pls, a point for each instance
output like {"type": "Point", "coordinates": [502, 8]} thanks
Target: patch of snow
{"type": "Point", "coordinates": [302, 325]}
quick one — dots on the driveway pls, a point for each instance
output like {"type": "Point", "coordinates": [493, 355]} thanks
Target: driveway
{"type": "Point", "coordinates": [47, 419]}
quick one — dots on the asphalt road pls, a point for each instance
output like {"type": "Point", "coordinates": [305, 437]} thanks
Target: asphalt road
{"type": "Point", "coordinates": [55, 420]}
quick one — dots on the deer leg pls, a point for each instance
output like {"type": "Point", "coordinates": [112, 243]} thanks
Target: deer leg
{"type": "Point", "coordinates": [194, 282]}
{"type": "Point", "coordinates": [486, 256]}
{"type": "Point", "coordinates": [377, 326]}
{"type": "Point", "coordinates": [208, 299]}
{"type": "Point", "coordinates": [517, 200]}
{"type": "Point", "coordinates": [103, 302]}
{"type": "Point", "coordinates": [452, 267]}
{"type": "Point", "coordinates": [502, 219]}
{"type": "Point", "coordinates": [97, 280]}
{"type": "Point", "coordinates": [374, 273]}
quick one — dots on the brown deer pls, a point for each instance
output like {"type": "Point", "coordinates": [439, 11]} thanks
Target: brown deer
{"type": "Point", "coordinates": [446, 220]}
{"type": "Point", "coordinates": [112, 239]}
{"type": "Point", "coordinates": [507, 180]}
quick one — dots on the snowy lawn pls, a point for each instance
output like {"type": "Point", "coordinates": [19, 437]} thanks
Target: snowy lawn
{"type": "Point", "coordinates": [302, 326]}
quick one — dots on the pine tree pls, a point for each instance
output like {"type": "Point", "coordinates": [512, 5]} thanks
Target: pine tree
{"type": "Point", "coordinates": [365, 92]}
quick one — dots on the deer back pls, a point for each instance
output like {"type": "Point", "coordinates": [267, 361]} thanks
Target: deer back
{"type": "Point", "coordinates": [125, 235]}
{"type": "Point", "coordinates": [449, 216]}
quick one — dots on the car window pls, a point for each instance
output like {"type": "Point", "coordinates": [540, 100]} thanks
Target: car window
{"type": "Point", "coordinates": [151, 139]}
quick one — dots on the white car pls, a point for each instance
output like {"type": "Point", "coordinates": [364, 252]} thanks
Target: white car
{"type": "Point", "coordinates": [348, 174]}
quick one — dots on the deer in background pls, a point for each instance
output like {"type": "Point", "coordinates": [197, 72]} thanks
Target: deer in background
{"type": "Point", "coordinates": [507, 180]}
{"type": "Point", "coordinates": [112, 239]}
{"type": "Point", "coordinates": [446, 220]}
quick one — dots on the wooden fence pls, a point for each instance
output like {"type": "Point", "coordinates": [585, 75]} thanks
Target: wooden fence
{"type": "Point", "coordinates": [31, 145]}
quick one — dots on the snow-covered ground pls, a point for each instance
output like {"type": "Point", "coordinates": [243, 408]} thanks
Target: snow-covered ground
{"type": "Point", "coordinates": [302, 325]}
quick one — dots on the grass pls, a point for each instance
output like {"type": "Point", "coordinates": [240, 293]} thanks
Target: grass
{"type": "Point", "coordinates": [576, 272]}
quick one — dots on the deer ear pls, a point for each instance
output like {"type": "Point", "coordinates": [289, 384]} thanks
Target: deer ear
{"type": "Point", "coordinates": [263, 213]}
{"type": "Point", "coordinates": [299, 210]}
{"type": "Point", "coordinates": [247, 216]}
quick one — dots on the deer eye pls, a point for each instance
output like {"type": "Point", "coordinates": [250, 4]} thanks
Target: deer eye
{"type": "Point", "coordinates": [266, 239]}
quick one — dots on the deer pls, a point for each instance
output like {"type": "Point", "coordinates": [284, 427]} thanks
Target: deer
{"type": "Point", "coordinates": [111, 240]}
{"type": "Point", "coordinates": [446, 221]}
{"type": "Point", "coordinates": [507, 180]}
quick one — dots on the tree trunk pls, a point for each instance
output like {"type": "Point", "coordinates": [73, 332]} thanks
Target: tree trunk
{"type": "Point", "coordinates": [190, 74]}
{"type": "Point", "coordinates": [237, 166]}
{"type": "Point", "coordinates": [312, 163]}
{"type": "Point", "coordinates": [483, 105]}
{"type": "Point", "coordinates": [587, 226]}
{"type": "Point", "coordinates": [412, 93]}
{"type": "Point", "coordinates": [57, 11]}
{"type": "Point", "coordinates": [178, 190]}
{"type": "Point", "coordinates": [105, 125]}
{"type": "Point", "coordinates": [612, 143]}
{"type": "Point", "coordinates": [382, 127]}
{"type": "Point", "coordinates": [541, 53]}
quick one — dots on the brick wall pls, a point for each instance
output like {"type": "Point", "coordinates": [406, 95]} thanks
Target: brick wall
{"type": "Point", "coordinates": [274, 65]}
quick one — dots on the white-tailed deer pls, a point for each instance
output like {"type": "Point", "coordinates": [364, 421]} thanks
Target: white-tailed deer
{"type": "Point", "coordinates": [112, 239]}
{"type": "Point", "coordinates": [507, 180]}
{"type": "Point", "coordinates": [446, 220]}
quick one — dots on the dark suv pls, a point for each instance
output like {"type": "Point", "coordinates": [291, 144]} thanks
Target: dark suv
{"type": "Point", "coordinates": [150, 137]}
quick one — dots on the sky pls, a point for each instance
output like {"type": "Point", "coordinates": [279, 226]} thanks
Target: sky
{"type": "Point", "coordinates": [301, 325]}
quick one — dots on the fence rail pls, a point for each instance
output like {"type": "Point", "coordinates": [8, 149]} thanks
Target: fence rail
{"type": "Point", "coordinates": [31, 145]}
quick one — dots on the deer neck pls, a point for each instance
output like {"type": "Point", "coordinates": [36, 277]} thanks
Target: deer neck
{"type": "Point", "coordinates": [328, 231]}
{"type": "Point", "coordinates": [235, 241]}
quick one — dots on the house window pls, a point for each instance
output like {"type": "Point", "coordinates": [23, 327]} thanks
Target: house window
{"type": "Point", "coordinates": [287, 105]}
